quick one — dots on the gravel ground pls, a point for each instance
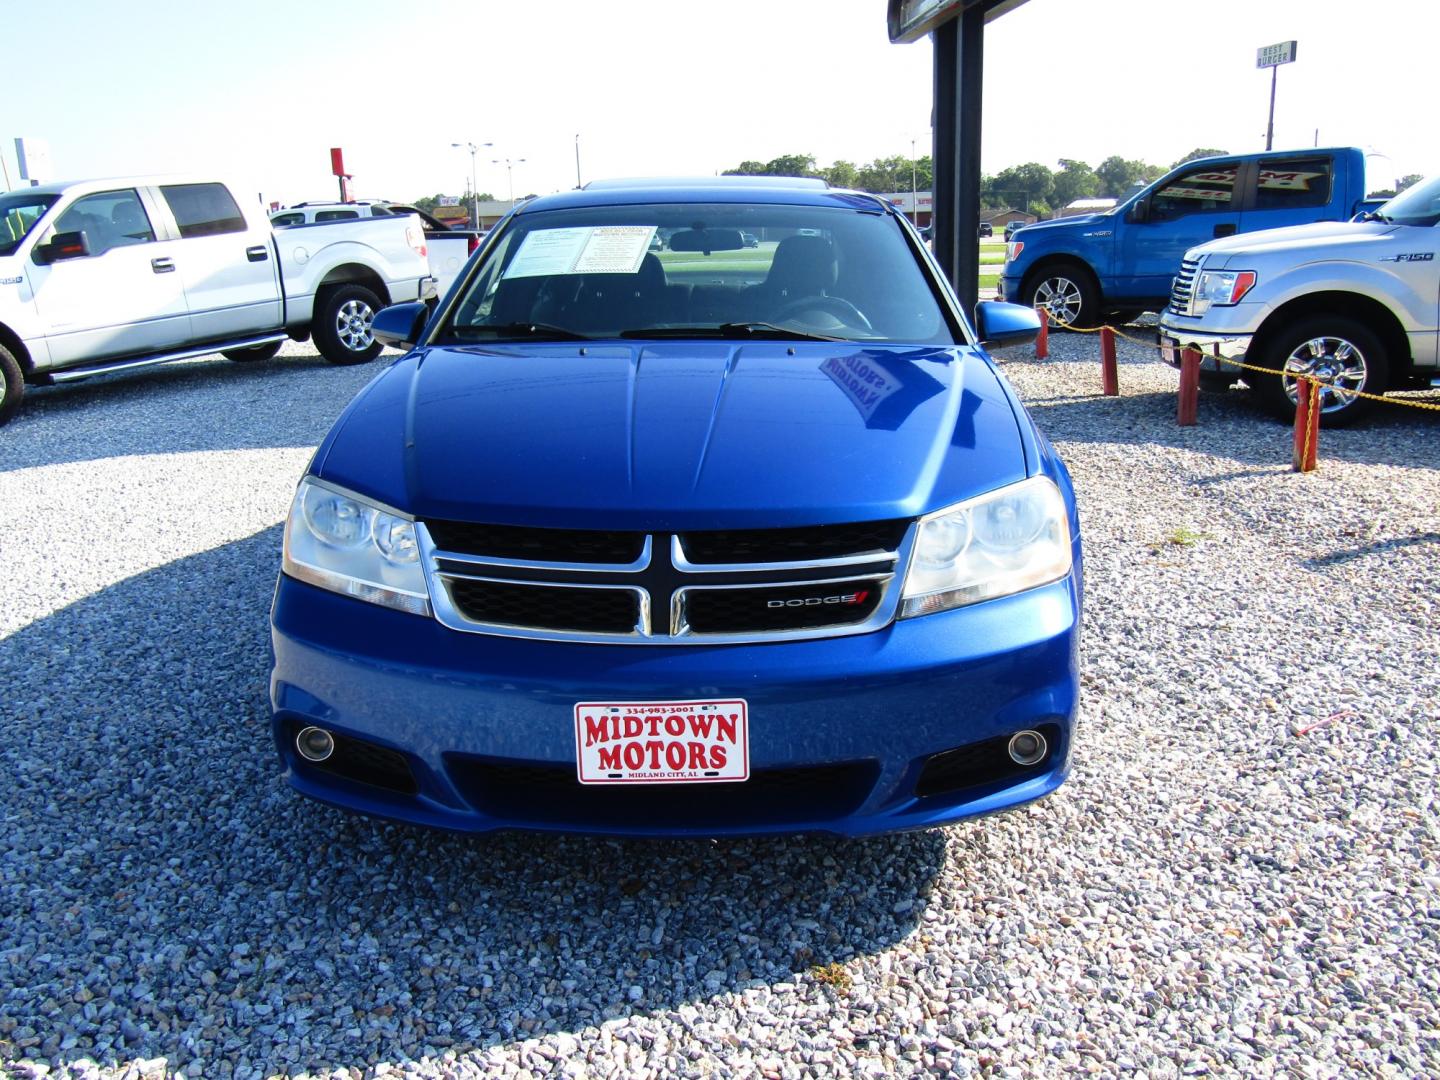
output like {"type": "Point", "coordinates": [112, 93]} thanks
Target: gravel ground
{"type": "Point", "coordinates": [1240, 878]}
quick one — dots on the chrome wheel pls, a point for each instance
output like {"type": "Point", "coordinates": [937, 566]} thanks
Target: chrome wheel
{"type": "Point", "coordinates": [1060, 296]}
{"type": "Point", "coordinates": [352, 325]}
{"type": "Point", "coordinates": [1338, 364]}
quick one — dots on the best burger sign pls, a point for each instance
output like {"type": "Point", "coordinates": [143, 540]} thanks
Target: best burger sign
{"type": "Point", "coordinates": [662, 742]}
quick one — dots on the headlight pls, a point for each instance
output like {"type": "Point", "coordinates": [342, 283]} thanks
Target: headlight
{"type": "Point", "coordinates": [1013, 249]}
{"type": "Point", "coordinates": [338, 541]}
{"type": "Point", "coordinates": [1001, 543]}
{"type": "Point", "coordinates": [1222, 288]}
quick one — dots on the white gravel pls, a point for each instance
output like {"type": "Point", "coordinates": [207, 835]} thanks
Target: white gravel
{"type": "Point", "coordinates": [1240, 878]}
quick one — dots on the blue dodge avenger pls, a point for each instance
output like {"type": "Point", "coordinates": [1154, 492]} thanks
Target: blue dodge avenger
{"type": "Point", "coordinates": [697, 538]}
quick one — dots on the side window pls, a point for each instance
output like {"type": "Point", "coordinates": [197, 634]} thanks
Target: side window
{"type": "Point", "coordinates": [1200, 191]}
{"type": "Point", "coordinates": [1293, 185]}
{"type": "Point", "coordinates": [380, 211]}
{"type": "Point", "coordinates": [203, 209]}
{"type": "Point", "coordinates": [336, 215]}
{"type": "Point", "coordinates": [281, 220]}
{"type": "Point", "coordinates": [109, 219]}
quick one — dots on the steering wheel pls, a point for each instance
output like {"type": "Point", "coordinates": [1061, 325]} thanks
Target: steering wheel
{"type": "Point", "coordinates": [837, 306]}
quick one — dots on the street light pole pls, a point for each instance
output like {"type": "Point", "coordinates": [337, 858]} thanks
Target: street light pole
{"type": "Point", "coordinates": [577, 161]}
{"type": "Point", "coordinates": [474, 180]}
{"type": "Point", "coordinates": [510, 172]}
{"type": "Point", "coordinates": [914, 198]}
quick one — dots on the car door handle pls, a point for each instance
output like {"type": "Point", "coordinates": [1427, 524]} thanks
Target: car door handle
{"type": "Point", "coordinates": [257, 254]}
{"type": "Point", "coordinates": [162, 266]}
{"type": "Point", "coordinates": [1224, 230]}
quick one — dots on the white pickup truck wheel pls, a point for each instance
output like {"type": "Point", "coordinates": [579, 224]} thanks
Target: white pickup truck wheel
{"type": "Point", "coordinates": [12, 385]}
{"type": "Point", "coordinates": [1339, 350]}
{"type": "Point", "coordinates": [342, 326]}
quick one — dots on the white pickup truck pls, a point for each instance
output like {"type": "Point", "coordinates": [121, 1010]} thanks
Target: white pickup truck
{"type": "Point", "coordinates": [102, 275]}
{"type": "Point", "coordinates": [1353, 304]}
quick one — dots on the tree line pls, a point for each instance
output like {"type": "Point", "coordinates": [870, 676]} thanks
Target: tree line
{"type": "Point", "coordinates": [1034, 187]}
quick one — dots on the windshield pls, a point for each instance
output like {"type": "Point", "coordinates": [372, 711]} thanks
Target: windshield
{"type": "Point", "coordinates": [1418, 205]}
{"type": "Point", "coordinates": [678, 270]}
{"type": "Point", "coordinates": [19, 211]}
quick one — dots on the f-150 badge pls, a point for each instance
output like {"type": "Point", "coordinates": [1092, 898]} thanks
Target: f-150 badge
{"type": "Point", "coordinates": [1414, 256]}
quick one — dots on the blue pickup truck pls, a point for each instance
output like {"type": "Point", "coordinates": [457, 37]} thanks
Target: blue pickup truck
{"type": "Point", "coordinates": [1117, 264]}
{"type": "Point", "coordinates": [713, 539]}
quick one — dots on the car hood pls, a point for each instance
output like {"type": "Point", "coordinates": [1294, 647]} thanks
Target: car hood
{"type": "Point", "coordinates": [664, 436]}
{"type": "Point", "coordinates": [1331, 234]}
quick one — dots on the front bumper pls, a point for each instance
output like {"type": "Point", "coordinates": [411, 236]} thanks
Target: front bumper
{"type": "Point", "coordinates": [840, 728]}
{"type": "Point", "coordinates": [1175, 335]}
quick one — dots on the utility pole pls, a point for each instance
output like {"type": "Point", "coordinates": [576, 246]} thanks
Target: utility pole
{"type": "Point", "coordinates": [914, 196]}
{"type": "Point", "coordinates": [577, 161]}
{"type": "Point", "coordinates": [474, 181]}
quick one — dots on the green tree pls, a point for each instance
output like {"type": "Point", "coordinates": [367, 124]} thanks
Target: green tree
{"type": "Point", "coordinates": [1408, 180]}
{"type": "Point", "coordinates": [1075, 180]}
{"type": "Point", "coordinates": [1025, 186]}
{"type": "Point", "coordinates": [1117, 174]}
{"type": "Point", "coordinates": [841, 174]}
{"type": "Point", "coordinates": [784, 165]}
{"type": "Point", "coordinates": [1200, 153]}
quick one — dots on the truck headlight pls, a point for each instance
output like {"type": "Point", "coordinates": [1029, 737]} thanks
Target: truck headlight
{"type": "Point", "coordinates": [1013, 249]}
{"type": "Point", "coordinates": [338, 541]}
{"type": "Point", "coordinates": [1000, 543]}
{"type": "Point", "coordinates": [1222, 288]}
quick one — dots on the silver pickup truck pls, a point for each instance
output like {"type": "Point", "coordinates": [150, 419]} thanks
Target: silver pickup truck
{"type": "Point", "coordinates": [1355, 303]}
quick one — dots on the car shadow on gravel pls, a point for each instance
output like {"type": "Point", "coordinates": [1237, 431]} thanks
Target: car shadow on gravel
{"type": "Point", "coordinates": [1231, 425]}
{"type": "Point", "coordinates": [164, 894]}
{"type": "Point", "coordinates": [205, 404]}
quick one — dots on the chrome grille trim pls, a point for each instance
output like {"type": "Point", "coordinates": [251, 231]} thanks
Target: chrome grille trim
{"type": "Point", "coordinates": [1182, 289]}
{"type": "Point", "coordinates": [441, 571]}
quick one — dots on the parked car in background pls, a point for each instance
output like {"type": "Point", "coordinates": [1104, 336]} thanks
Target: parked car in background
{"type": "Point", "coordinates": [113, 274]}
{"type": "Point", "coordinates": [1121, 262]}
{"type": "Point", "coordinates": [1353, 303]}
{"type": "Point", "coordinates": [674, 543]}
{"type": "Point", "coordinates": [986, 229]}
{"type": "Point", "coordinates": [750, 239]}
{"type": "Point", "coordinates": [1012, 227]}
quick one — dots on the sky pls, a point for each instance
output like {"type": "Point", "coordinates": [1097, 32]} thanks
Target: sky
{"type": "Point", "coordinates": [258, 92]}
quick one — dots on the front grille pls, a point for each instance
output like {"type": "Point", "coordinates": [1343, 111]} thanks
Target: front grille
{"type": "Point", "coordinates": [546, 607]}
{"type": "Point", "coordinates": [1183, 288]}
{"type": "Point", "coordinates": [539, 545]}
{"type": "Point", "coordinates": [524, 793]}
{"type": "Point", "coordinates": [773, 610]}
{"type": "Point", "coordinates": [719, 586]}
{"type": "Point", "coordinates": [981, 763]}
{"type": "Point", "coordinates": [792, 545]}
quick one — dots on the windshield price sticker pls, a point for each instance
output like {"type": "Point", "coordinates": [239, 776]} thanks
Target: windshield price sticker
{"type": "Point", "coordinates": [599, 249]}
{"type": "Point", "coordinates": [662, 742]}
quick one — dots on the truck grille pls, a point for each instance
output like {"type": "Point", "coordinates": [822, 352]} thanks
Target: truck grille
{"type": "Point", "coordinates": [675, 588]}
{"type": "Point", "coordinates": [1183, 288]}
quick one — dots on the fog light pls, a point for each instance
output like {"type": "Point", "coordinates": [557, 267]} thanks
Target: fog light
{"type": "Point", "coordinates": [316, 744]}
{"type": "Point", "coordinates": [1027, 747]}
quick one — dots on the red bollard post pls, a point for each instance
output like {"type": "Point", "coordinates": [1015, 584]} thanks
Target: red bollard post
{"type": "Point", "coordinates": [1109, 374]}
{"type": "Point", "coordinates": [1189, 387]}
{"type": "Point", "coordinates": [1042, 339]}
{"type": "Point", "coordinates": [1307, 426]}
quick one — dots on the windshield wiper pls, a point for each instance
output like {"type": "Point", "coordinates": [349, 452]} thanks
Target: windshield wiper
{"type": "Point", "coordinates": [523, 329]}
{"type": "Point", "coordinates": [758, 330]}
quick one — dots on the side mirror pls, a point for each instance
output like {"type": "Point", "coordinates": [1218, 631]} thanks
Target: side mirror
{"type": "Point", "coordinates": [63, 245]}
{"type": "Point", "coordinates": [1140, 212]}
{"type": "Point", "coordinates": [1004, 326]}
{"type": "Point", "coordinates": [400, 325]}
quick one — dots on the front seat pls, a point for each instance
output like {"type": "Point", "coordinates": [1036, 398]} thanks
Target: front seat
{"type": "Point", "coordinates": [803, 266]}
{"type": "Point", "coordinates": [129, 224]}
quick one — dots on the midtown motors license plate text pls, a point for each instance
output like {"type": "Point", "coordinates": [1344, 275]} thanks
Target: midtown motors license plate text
{"type": "Point", "coordinates": [662, 742]}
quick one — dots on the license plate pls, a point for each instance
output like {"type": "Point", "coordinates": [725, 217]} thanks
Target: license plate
{"type": "Point", "coordinates": [1169, 351]}
{"type": "Point", "coordinates": [662, 742]}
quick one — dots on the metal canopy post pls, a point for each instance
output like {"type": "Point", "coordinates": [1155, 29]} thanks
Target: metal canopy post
{"type": "Point", "coordinates": [959, 70]}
